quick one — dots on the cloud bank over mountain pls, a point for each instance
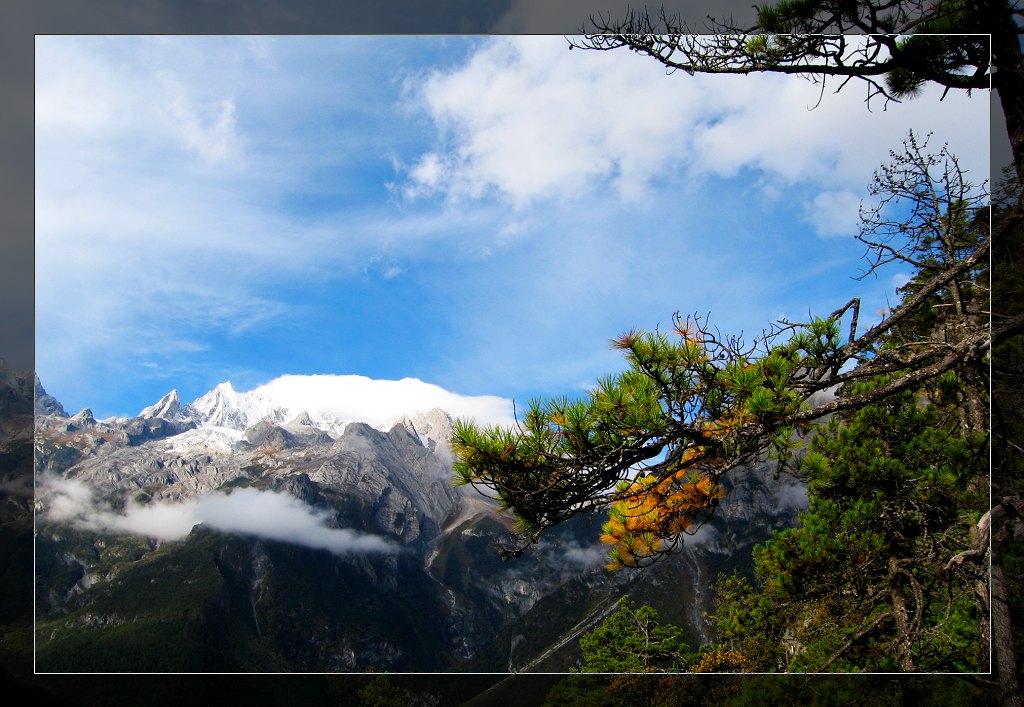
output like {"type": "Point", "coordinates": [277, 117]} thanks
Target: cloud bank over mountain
{"type": "Point", "coordinates": [274, 516]}
{"type": "Point", "coordinates": [380, 402]}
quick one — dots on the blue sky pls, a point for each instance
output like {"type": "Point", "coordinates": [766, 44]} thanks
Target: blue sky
{"type": "Point", "coordinates": [481, 213]}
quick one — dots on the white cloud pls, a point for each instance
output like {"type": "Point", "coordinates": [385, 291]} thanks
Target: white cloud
{"type": "Point", "coordinates": [275, 516]}
{"type": "Point", "coordinates": [163, 520]}
{"type": "Point", "coordinates": [427, 176]}
{"type": "Point", "coordinates": [580, 556]}
{"type": "Point", "coordinates": [381, 402]}
{"type": "Point", "coordinates": [834, 213]}
{"type": "Point", "coordinates": [279, 516]}
{"type": "Point", "coordinates": [108, 94]}
{"type": "Point", "coordinates": [527, 118]}
{"type": "Point", "coordinates": [900, 279]}
{"type": "Point", "coordinates": [69, 498]}
{"type": "Point", "coordinates": [211, 136]}
{"type": "Point", "coordinates": [533, 121]}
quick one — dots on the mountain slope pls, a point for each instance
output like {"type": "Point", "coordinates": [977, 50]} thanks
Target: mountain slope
{"type": "Point", "coordinates": [257, 537]}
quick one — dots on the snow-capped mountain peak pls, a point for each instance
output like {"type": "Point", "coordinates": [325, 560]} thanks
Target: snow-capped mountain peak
{"type": "Point", "coordinates": [433, 427]}
{"type": "Point", "coordinates": [225, 407]}
{"type": "Point", "coordinates": [302, 420]}
{"type": "Point", "coordinates": [168, 407]}
{"type": "Point", "coordinates": [330, 403]}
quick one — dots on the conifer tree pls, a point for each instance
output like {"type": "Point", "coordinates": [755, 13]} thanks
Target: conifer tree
{"type": "Point", "coordinates": [381, 692]}
{"type": "Point", "coordinates": [910, 43]}
{"type": "Point", "coordinates": [865, 583]}
{"type": "Point", "coordinates": [651, 444]}
{"type": "Point", "coordinates": [887, 568]}
{"type": "Point", "coordinates": [633, 640]}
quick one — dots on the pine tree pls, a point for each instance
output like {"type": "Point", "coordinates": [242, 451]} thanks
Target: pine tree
{"type": "Point", "coordinates": [633, 640]}
{"type": "Point", "coordinates": [695, 405]}
{"type": "Point", "coordinates": [381, 692]}
{"type": "Point", "coordinates": [886, 571]}
{"type": "Point", "coordinates": [864, 582]}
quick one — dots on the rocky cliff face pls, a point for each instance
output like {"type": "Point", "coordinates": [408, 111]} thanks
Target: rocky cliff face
{"type": "Point", "coordinates": [376, 563]}
{"type": "Point", "coordinates": [46, 404]}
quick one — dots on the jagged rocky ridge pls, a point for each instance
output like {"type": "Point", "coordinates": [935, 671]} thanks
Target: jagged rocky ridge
{"type": "Point", "coordinates": [443, 601]}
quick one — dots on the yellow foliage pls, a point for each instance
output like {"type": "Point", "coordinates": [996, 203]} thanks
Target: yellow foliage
{"type": "Point", "coordinates": [723, 660]}
{"type": "Point", "coordinates": [652, 512]}
{"type": "Point", "coordinates": [732, 420]}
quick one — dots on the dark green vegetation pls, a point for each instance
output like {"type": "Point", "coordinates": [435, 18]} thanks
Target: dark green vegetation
{"type": "Point", "coordinates": [765, 690]}
{"type": "Point", "coordinates": [212, 604]}
{"type": "Point", "coordinates": [886, 485]}
{"type": "Point", "coordinates": [863, 583]}
{"type": "Point", "coordinates": [634, 640]}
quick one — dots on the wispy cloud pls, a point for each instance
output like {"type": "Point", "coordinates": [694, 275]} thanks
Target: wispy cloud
{"type": "Point", "coordinates": [581, 556]}
{"type": "Point", "coordinates": [161, 226]}
{"type": "Point", "coordinates": [834, 213]}
{"type": "Point", "coordinates": [275, 516]}
{"type": "Point", "coordinates": [209, 131]}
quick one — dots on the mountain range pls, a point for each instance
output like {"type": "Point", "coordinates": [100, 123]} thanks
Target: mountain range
{"type": "Point", "coordinates": [240, 533]}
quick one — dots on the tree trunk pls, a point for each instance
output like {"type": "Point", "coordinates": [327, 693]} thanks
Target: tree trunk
{"type": "Point", "coordinates": [899, 612]}
{"type": "Point", "coordinates": [1008, 79]}
{"type": "Point", "coordinates": [1002, 635]}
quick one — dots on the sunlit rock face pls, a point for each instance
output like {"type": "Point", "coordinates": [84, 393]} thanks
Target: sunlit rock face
{"type": "Point", "coordinates": [292, 539]}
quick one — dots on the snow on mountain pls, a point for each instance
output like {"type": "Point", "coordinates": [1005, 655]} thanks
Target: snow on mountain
{"type": "Point", "coordinates": [212, 439]}
{"type": "Point", "coordinates": [433, 427]}
{"type": "Point", "coordinates": [168, 407]}
{"type": "Point", "coordinates": [380, 403]}
{"type": "Point", "coordinates": [225, 407]}
{"type": "Point", "coordinates": [330, 403]}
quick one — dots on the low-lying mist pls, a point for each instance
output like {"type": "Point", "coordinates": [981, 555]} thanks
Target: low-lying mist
{"type": "Point", "coordinates": [266, 514]}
